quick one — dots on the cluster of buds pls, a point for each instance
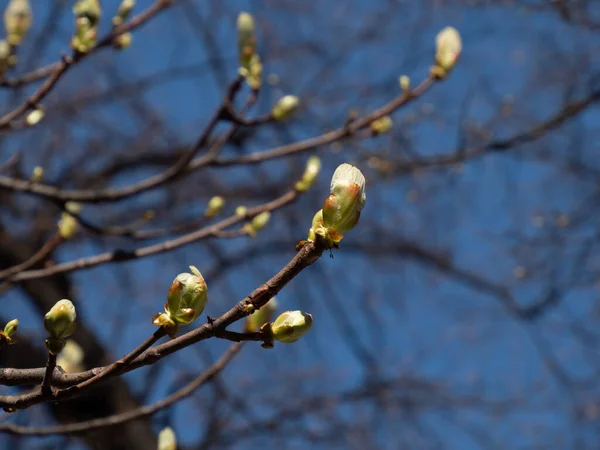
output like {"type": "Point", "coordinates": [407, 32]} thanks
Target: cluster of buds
{"type": "Point", "coordinates": [257, 223]}
{"type": "Point", "coordinates": [256, 320]}
{"type": "Point", "coordinates": [287, 328]}
{"type": "Point", "coordinates": [250, 66]}
{"type": "Point", "coordinates": [17, 20]}
{"type": "Point", "coordinates": [215, 206]}
{"type": "Point", "coordinates": [60, 324]}
{"type": "Point", "coordinates": [68, 224]}
{"type": "Point", "coordinates": [9, 330]}
{"type": "Point", "coordinates": [284, 107]}
{"type": "Point", "coordinates": [87, 17]}
{"type": "Point", "coordinates": [313, 167]}
{"type": "Point", "coordinates": [341, 210]}
{"type": "Point", "coordinates": [185, 302]}
{"type": "Point", "coordinates": [448, 48]}
{"type": "Point", "coordinates": [123, 12]}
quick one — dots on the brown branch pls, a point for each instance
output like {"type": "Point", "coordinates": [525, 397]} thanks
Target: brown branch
{"type": "Point", "coordinates": [38, 256]}
{"type": "Point", "coordinates": [306, 256]}
{"type": "Point", "coordinates": [47, 381]}
{"type": "Point", "coordinates": [128, 416]}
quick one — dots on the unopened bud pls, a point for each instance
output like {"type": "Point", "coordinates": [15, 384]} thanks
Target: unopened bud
{"type": "Point", "coordinates": [313, 167]}
{"type": "Point", "coordinates": [404, 82]}
{"type": "Point", "coordinates": [167, 439]}
{"type": "Point", "coordinates": [241, 211]}
{"type": "Point", "coordinates": [89, 9]}
{"type": "Point", "coordinates": [214, 207]}
{"type": "Point", "coordinates": [123, 12]}
{"type": "Point", "coordinates": [60, 320]}
{"type": "Point", "coordinates": [258, 223]}
{"type": "Point", "coordinates": [11, 327]}
{"type": "Point", "coordinates": [291, 326]}
{"type": "Point", "coordinates": [187, 297]}
{"type": "Point", "coordinates": [448, 49]}
{"type": "Point", "coordinates": [71, 357]}
{"type": "Point", "coordinates": [17, 20]}
{"type": "Point", "coordinates": [37, 174]}
{"type": "Point", "coordinates": [35, 116]}
{"type": "Point", "coordinates": [256, 320]}
{"type": "Point", "coordinates": [164, 320]}
{"type": "Point", "coordinates": [87, 15]}
{"type": "Point", "coordinates": [381, 125]}
{"type": "Point", "coordinates": [246, 39]}
{"type": "Point", "coordinates": [123, 41]}
{"type": "Point", "coordinates": [253, 73]}
{"type": "Point", "coordinates": [342, 208]}
{"type": "Point", "coordinates": [67, 226]}
{"type": "Point", "coordinates": [285, 107]}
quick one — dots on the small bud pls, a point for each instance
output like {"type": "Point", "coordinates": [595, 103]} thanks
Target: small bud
{"type": "Point", "coordinates": [317, 224]}
{"type": "Point", "coordinates": [246, 39]}
{"type": "Point", "coordinates": [55, 346]}
{"type": "Point", "coordinates": [37, 174]}
{"type": "Point", "coordinates": [67, 226]}
{"type": "Point", "coordinates": [284, 107]}
{"type": "Point", "coordinates": [448, 49]}
{"type": "Point", "coordinates": [87, 16]}
{"type": "Point", "coordinates": [313, 167]}
{"type": "Point", "coordinates": [11, 327]}
{"type": "Point", "coordinates": [60, 320]}
{"type": "Point", "coordinates": [167, 439]}
{"type": "Point", "coordinates": [342, 208]}
{"type": "Point", "coordinates": [123, 12]}
{"type": "Point", "coordinates": [123, 41]}
{"type": "Point", "coordinates": [381, 125]}
{"type": "Point", "coordinates": [35, 116]}
{"type": "Point", "coordinates": [241, 211]}
{"type": "Point", "coordinates": [258, 223]}
{"type": "Point", "coordinates": [404, 82]}
{"type": "Point", "coordinates": [291, 326]}
{"type": "Point", "coordinates": [17, 20]}
{"type": "Point", "coordinates": [214, 207]}
{"type": "Point", "coordinates": [256, 320]}
{"type": "Point", "coordinates": [71, 357]}
{"type": "Point", "coordinates": [187, 297]}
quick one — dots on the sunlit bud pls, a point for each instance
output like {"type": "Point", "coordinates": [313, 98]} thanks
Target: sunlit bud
{"type": "Point", "coordinates": [404, 82]}
{"type": "Point", "coordinates": [241, 210]}
{"type": "Point", "coordinates": [123, 12]}
{"type": "Point", "coordinates": [37, 174]}
{"type": "Point", "coordinates": [67, 226]}
{"type": "Point", "coordinates": [246, 39]}
{"type": "Point", "coordinates": [317, 224]}
{"type": "Point", "coordinates": [448, 48]}
{"type": "Point", "coordinates": [253, 73]}
{"type": "Point", "coordinates": [342, 208]}
{"type": "Point", "coordinates": [381, 125]}
{"type": "Point", "coordinates": [256, 320]}
{"type": "Point", "coordinates": [87, 15]}
{"type": "Point", "coordinates": [167, 439]}
{"type": "Point", "coordinates": [187, 296]}
{"type": "Point", "coordinates": [258, 223]}
{"type": "Point", "coordinates": [60, 320]}
{"type": "Point", "coordinates": [313, 167]}
{"type": "Point", "coordinates": [215, 205]}
{"type": "Point", "coordinates": [35, 116]}
{"type": "Point", "coordinates": [89, 9]}
{"type": "Point", "coordinates": [291, 326]}
{"type": "Point", "coordinates": [164, 320]}
{"type": "Point", "coordinates": [11, 327]}
{"type": "Point", "coordinates": [73, 207]}
{"type": "Point", "coordinates": [123, 41]}
{"type": "Point", "coordinates": [284, 107]}
{"type": "Point", "coordinates": [17, 20]}
{"type": "Point", "coordinates": [71, 357]}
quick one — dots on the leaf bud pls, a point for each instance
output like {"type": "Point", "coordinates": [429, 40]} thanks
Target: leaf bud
{"type": "Point", "coordinates": [284, 107]}
{"type": "Point", "coordinates": [291, 326]}
{"type": "Point", "coordinates": [60, 320]}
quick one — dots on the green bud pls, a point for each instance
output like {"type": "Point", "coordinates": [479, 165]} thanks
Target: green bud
{"type": "Point", "coordinates": [73, 207]}
{"type": "Point", "coordinates": [123, 12]}
{"type": "Point", "coordinates": [284, 107]}
{"type": "Point", "coordinates": [404, 82]}
{"type": "Point", "coordinates": [7, 59]}
{"type": "Point", "coordinates": [11, 327]}
{"type": "Point", "coordinates": [241, 210]}
{"type": "Point", "coordinates": [37, 174]}
{"type": "Point", "coordinates": [71, 357]}
{"type": "Point", "coordinates": [448, 48]}
{"type": "Point", "coordinates": [60, 320]}
{"type": "Point", "coordinates": [253, 73]}
{"type": "Point", "coordinates": [256, 320]}
{"type": "Point", "coordinates": [167, 439]}
{"type": "Point", "coordinates": [123, 41]}
{"type": "Point", "coordinates": [381, 125]}
{"type": "Point", "coordinates": [17, 20]}
{"type": "Point", "coordinates": [187, 297]}
{"type": "Point", "coordinates": [214, 207]}
{"type": "Point", "coordinates": [87, 16]}
{"type": "Point", "coordinates": [342, 208]}
{"type": "Point", "coordinates": [90, 9]}
{"type": "Point", "coordinates": [313, 167]}
{"type": "Point", "coordinates": [164, 320]}
{"type": "Point", "coordinates": [67, 226]}
{"type": "Point", "coordinates": [258, 223]}
{"type": "Point", "coordinates": [291, 326]}
{"type": "Point", "coordinates": [246, 39]}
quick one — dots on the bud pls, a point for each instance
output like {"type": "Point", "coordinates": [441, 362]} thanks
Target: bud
{"type": "Point", "coordinates": [317, 224]}
{"type": "Point", "coordinates": [284, 107]}
{"type": "Point", "coordinates": [167, 439]}
{"type": "Point", "coordinates": [246, 39]}
{"type": "Point", "coordinates": [123, 12]}
{"type": "Point", "coordinates": [73, 207]}
{"type": "Point", "coordinates": [67, 226]}
{"type": "Point", "coordinates": [187, 297]}
{"type": "Point", "coordinates": [258, 223]}
{"type": "Point", "coordinates": [71, 357]}
{"type": "Point", "coordinates": [313, 167]}
{"type": "Point", "coordinates": [37, 174]}
{"type": "Point", "coordinates": [214, 207]}
{"type": "Point", "coordinates": [256, 320]}
{"type": "Point", "coordinates": [11, 327]}
{"type": "Point", "coordinates": [7, 59]}
{"type": "Point", "coordinates": [17, 20]}
{"type": "Point", "coordinates": [87, 16]}
{"type": "Point", "coordinates": [60, 320]}
{"type": "Point", "coordinates": [342, 208]}
{"type": "Point", "coordinates": [381, 125]}
{"type": "Point", "coordinates": [123, 41]}
{"type": "Point", "coordinates": [404, 82]}
{"type": "Point", "coordinates": [35, 116]}
{"type": "Point", "coordinates": [253, 73]}
{"type": "Point", "coordinates": [90, 9]}
{"type": "Point", "coordinates": [164, 320]}
{"type": "Point", "coordinates": [241, 211]}
{"type": "Point", "coordinates": [448, 49]}
{"type": "Point", "coordinates": [291, 326]}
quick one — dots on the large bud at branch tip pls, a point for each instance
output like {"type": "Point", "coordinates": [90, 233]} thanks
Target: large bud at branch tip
{"type": "Point", "coordinates": [187, 297]}
{"type": "Point", "coordinates": [448, 48]}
